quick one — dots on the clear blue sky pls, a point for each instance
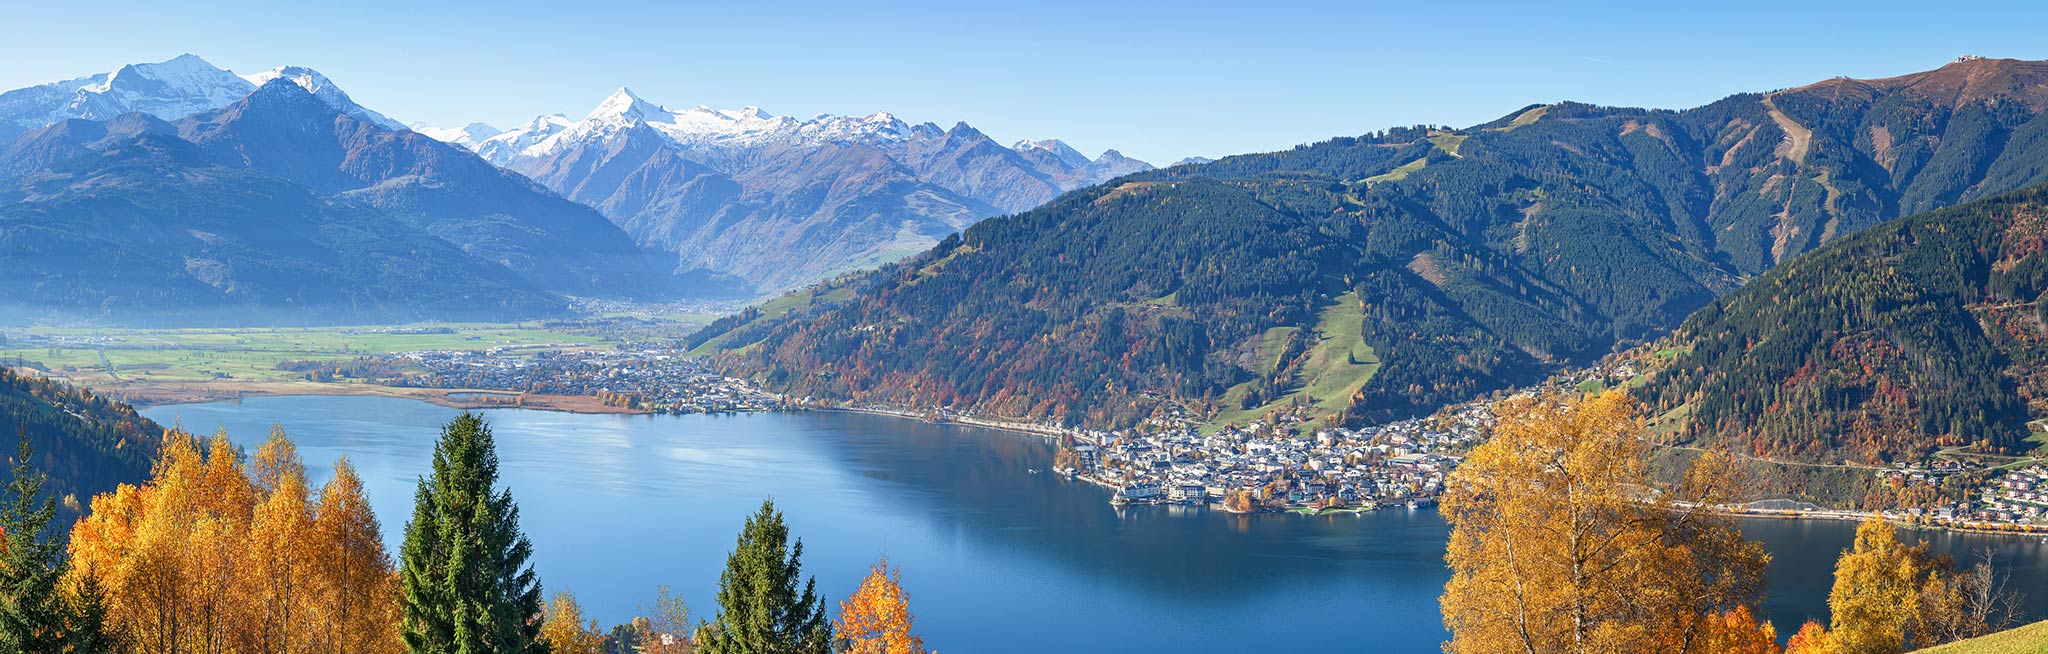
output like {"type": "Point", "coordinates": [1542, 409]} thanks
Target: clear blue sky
{"type": "Point", "coordinates": [1158, 81]}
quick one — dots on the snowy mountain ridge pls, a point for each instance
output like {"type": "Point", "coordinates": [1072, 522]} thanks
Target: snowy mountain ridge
{"type": "Point", "coordinates": [747, 127]}
{"type": "Point", "coordinates": [171, 89]}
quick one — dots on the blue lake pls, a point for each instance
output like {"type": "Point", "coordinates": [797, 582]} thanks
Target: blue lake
{"type": "Point", "coordinates": [995, 559]}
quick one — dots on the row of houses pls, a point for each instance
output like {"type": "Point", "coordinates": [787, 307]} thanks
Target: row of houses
{"type": "Point", "coordinates": [650, 379]}
{"type": "Point", "coordinates": [2018, 496]}
{"type": "Point", "coordinates": [1266, 467]}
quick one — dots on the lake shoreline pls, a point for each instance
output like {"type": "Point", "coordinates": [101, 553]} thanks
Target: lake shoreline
{"type": "Point", "coordinates": [475, 399]}
{"type": "Point", "coordinates": [154, 394]}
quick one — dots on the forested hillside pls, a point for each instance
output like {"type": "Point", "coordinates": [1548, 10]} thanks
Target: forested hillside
{"type": "Point", "coordinates": [1917, 334]}
{"type": "Point", "coordinates": [1459, 261]}
{"type": "Point", "coordinates": [86, 443]}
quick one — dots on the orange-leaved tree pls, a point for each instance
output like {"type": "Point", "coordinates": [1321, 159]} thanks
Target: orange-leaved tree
{"type": "Point", "coordinates": [1739, 632]}
{"type": "Point", "coordinates": [876, 619]}
{"type": "Point", "coordinates": [1812, 638]}
{"type": "Point", "coordinates": [1562, 543]}
{"type": "Point", "coordinates": [214, 556]}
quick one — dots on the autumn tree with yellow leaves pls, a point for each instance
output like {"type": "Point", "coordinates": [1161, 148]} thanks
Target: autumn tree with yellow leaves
{"type": "Point", "coordinates": [876, 619]}
{"type": "Point", "coordinates": [215, 556]}
{"type": "Point", "coordinates": [1562, 544]}
{"type": "Point", "coordinates": [1890, 597]}
{"type": "Point", "coordinates": [564, 631]}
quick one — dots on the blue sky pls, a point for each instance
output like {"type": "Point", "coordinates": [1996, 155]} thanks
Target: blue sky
{"type": "Point", "coordinates": [1158, 81]}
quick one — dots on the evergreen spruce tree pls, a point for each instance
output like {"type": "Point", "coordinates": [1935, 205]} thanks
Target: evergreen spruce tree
{"type": "Point", "coordinates": [87, 619]}
{"type": "Point", "coordinates": [759, 608]}
{"type": "Point", "coordinates": [32, 612]}
{"type": "Point", "coordinates": [468, 587]}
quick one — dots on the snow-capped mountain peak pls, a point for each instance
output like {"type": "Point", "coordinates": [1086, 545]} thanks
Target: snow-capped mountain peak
{"type": "Point", "coordinates": [1066, 154]}
{"type": "Point", "coordinates": [324, 89]}
{"type": "Point", "coordinates": [170, 89]}
{"type": "Point", "coordinates": [307, 78]}
{"type": "Point", "coordinates": [625, 105]}
{"type": "Point", "coordinates": [183, 72]}
{"type": "Point", "coordinates": [505, 145]}
{"type": "Point", "coordinates": [174, 88]}
{"type": "Point", "coordinates": [1113, 164]}
{"type": "Point", "coordinates": [469, 136]}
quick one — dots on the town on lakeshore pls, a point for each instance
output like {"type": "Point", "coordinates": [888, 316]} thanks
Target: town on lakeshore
{"type": "Point", "coordinates": [1287, 461]}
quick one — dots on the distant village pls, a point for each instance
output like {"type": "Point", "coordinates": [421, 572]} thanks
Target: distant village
{"type": "Point", "coordinates": [2017, 497]}
{"type": "Point", "coordinates": [653, 379]}
{"type": "Point", "coordinates": [1271, 467]}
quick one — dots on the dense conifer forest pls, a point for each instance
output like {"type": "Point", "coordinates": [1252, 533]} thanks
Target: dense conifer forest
{"type": "Point", "coordinates": [1921, 333]}
{"type": "Point", "coordinates": [86, 443]}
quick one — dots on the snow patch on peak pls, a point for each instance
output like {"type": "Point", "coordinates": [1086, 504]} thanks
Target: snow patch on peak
{"type": "Point", "coordinates": [1113, 164]}
{"type": "Point", "coordinates": [624, 104]}
{"type": "Point", "coordinates": [323, 88]}
{"type": "Point", "coordinates": [469, 136]}
{"type": "Point", "coordinates": [1059, 149]}
{"type": "Point", "coordinates": [503, 146]}
{"type": "Point", "coordinates": [169, 89]}
{"type": "Point", "coordinates": [307, 78]}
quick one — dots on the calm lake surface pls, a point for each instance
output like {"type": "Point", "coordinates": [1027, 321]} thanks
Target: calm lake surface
{"type": "Point", "coordinates": [995, 559]}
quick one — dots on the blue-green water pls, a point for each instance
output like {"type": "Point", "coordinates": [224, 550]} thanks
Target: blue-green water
{"type": "Point", "coordinates": [996, 559]}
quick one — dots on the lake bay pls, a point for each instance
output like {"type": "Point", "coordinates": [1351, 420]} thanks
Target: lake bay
{"type": "Point", "coordinates": [996, 559]}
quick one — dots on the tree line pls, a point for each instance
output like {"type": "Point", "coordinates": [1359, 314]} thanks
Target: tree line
{"type": "Point", "coordinates": [226, 552]}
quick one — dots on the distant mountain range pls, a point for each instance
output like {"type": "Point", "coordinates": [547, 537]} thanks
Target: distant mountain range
{"type": "Point", "coordinates": [750, 202]}
{"type": "Point", "coordinates": [1389, 274]}
{"type": "Point", "coordinates": [169, 90]}
{"type": "Point", "coordinates": [282, 206]}
{"type": "Point", "coordinates": [731, 203]}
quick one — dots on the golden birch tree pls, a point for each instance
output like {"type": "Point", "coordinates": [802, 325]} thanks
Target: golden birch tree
{"type": "Point", "coordinates": [563, 630]}
{"type": "Point", "coordinates": [214, 557]}
{"type": "Point", "coordinates": [355, 582]}
{"type": "Point", "coordinates": [1876, 593]}
{"type": "Point", "coordinates": [1562, 544]}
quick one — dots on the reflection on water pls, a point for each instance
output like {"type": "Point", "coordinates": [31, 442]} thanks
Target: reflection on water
{"type": "Point", "coordinates": [996, 559]}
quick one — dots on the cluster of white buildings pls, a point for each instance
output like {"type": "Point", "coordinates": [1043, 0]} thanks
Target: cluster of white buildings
{"type": "Point", "coordinates": [657, 380]}
{"type": "Point", "coordinates": [1265, 467]}
{"type": "Point", "coordinates": [2020, 496]}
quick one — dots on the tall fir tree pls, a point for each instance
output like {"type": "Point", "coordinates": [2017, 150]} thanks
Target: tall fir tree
{"type": "Point", "coordinates": [468, 586]}
{"type": "Point", "coordinates": [33, 614]}
{"type": "Point", "coordinates": [88, 633]}
{"type": "Point", "coordinates": [760, 610]}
